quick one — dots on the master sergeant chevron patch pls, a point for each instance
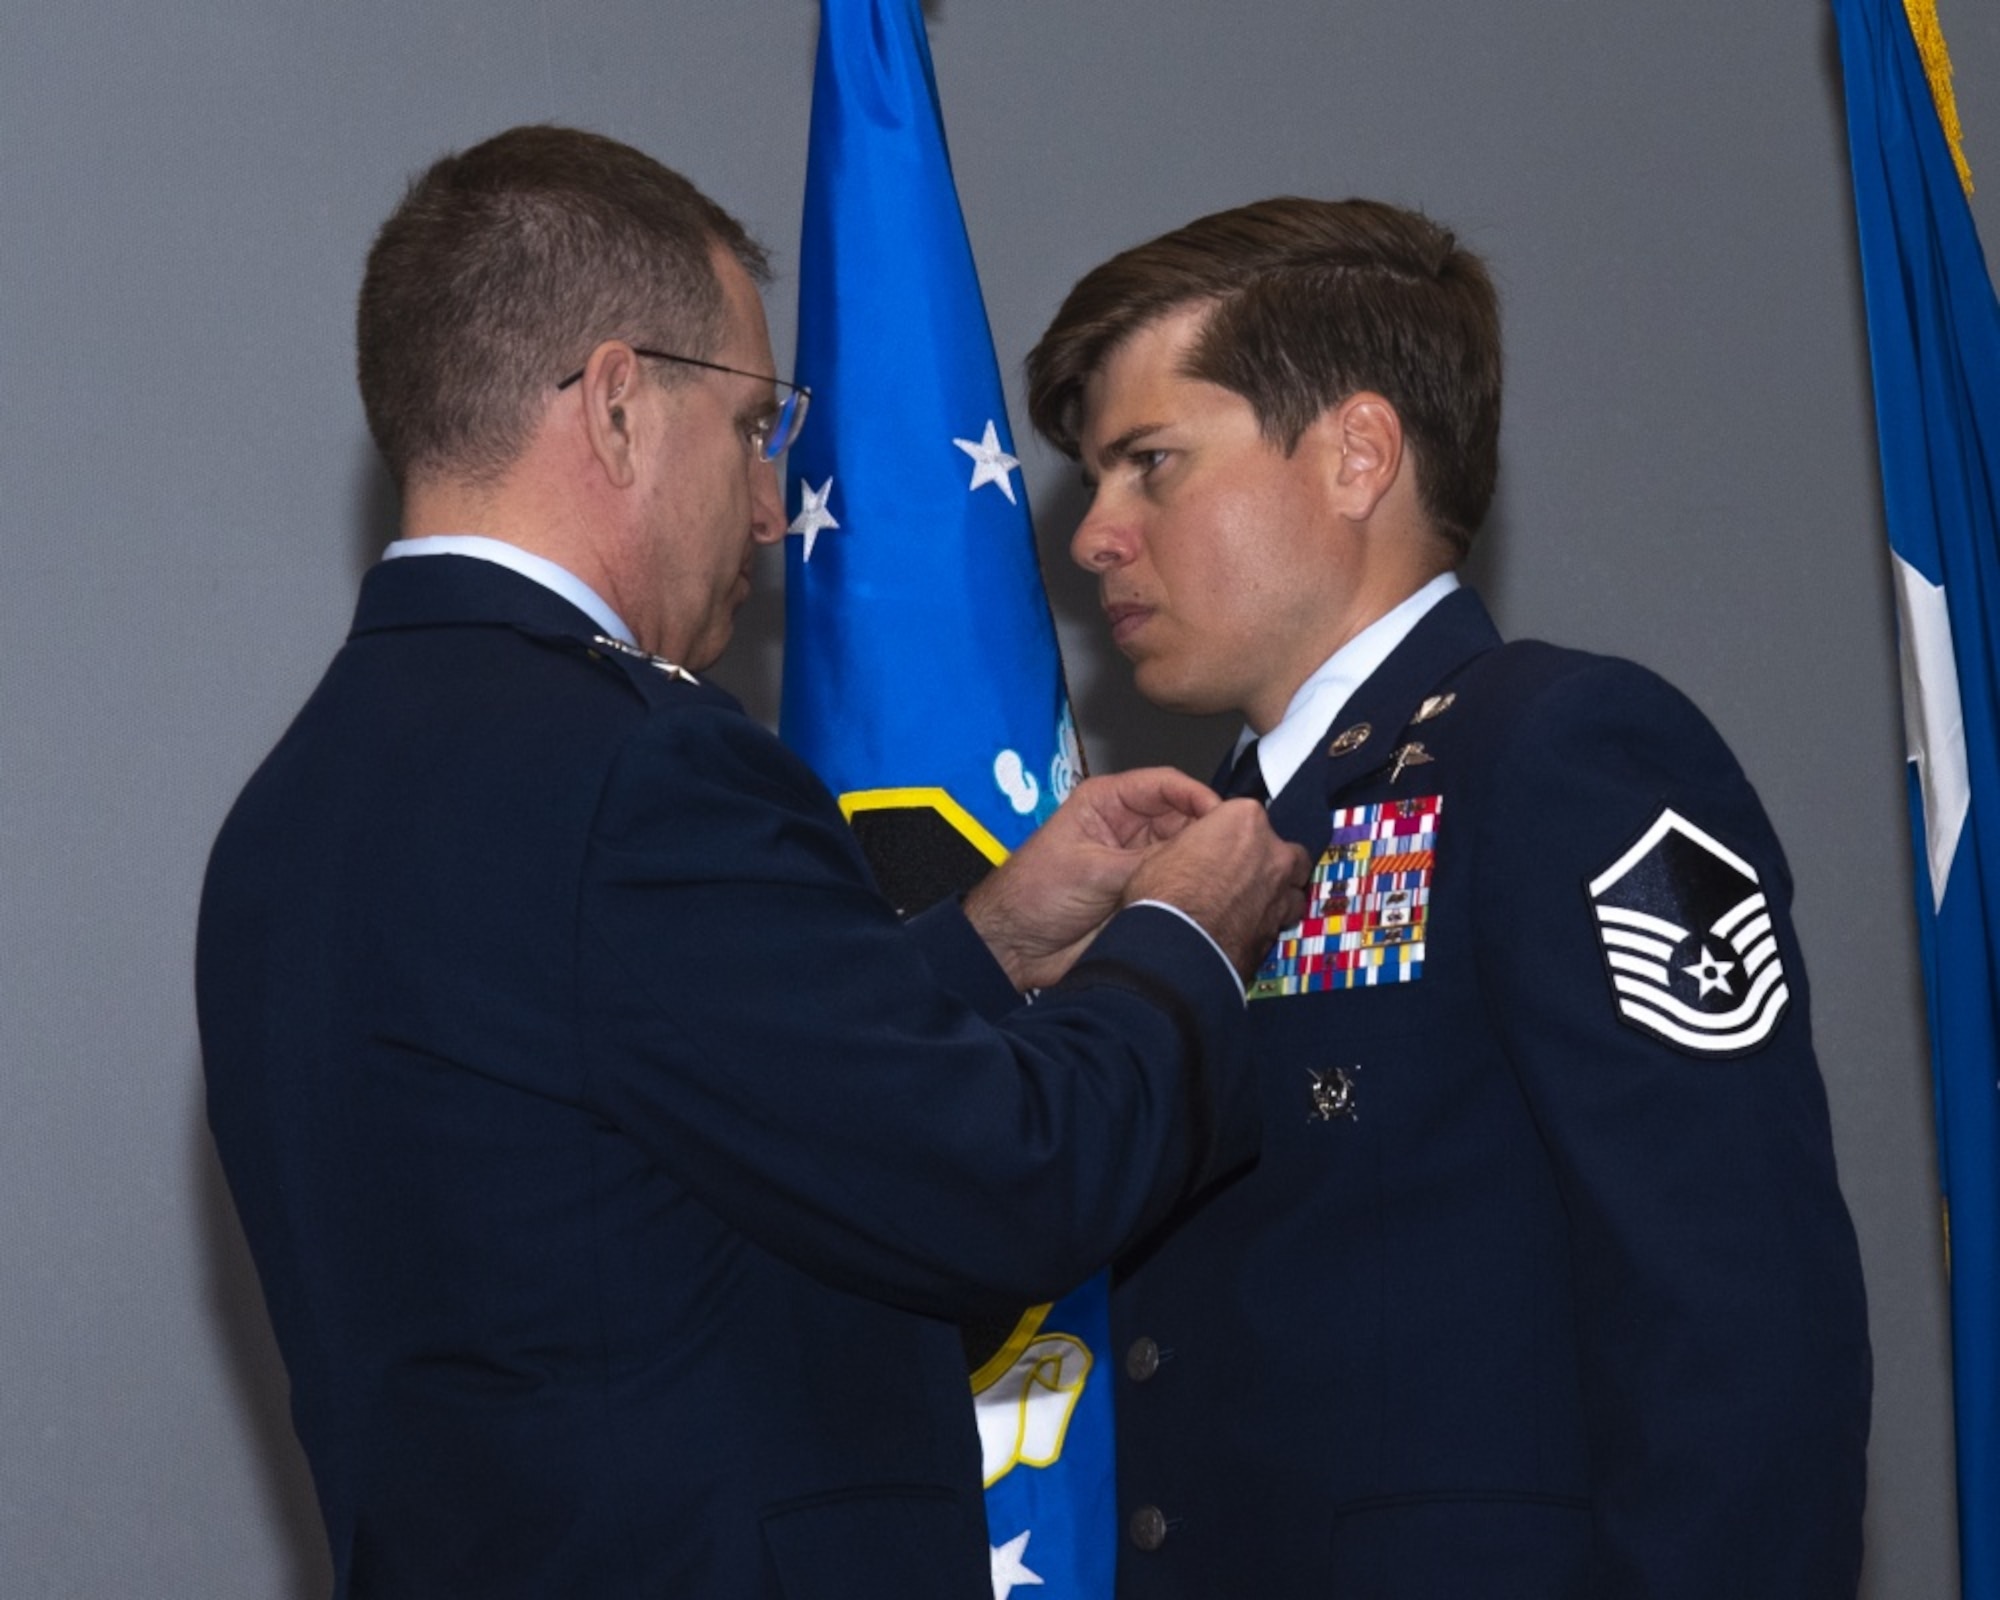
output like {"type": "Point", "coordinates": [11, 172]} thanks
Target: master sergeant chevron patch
{"type": "Point", "coordinates": [1688, 942]}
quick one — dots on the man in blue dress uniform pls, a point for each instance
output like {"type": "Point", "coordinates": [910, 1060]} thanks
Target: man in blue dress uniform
{"type": "Point", "coordinates": [1543, 1286]}
{"type": "Point", "coordinates": [614, 1162]}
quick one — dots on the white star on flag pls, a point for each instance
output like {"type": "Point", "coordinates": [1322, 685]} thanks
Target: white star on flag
{"type": "Point", "coordinates": [1008, 1570]}
{"type": "Point", "coordinates": [990, 464]}
{"type": "Point", "coordinates": [1932, 717]}
{"type": "Point", "coordinates": [813, 518]}
{"type": "Point", "coordinates": [1711, 973]}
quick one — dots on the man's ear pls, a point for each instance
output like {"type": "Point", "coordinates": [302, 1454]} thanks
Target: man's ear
{"type": "Point", "coordinates": [610, 378]}
{"type": "Point", "coordinates": [1364, 442]}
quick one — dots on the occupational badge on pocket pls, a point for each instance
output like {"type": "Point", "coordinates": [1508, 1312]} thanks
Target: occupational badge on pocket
{"type": "Point", "coordinates": [1368, 907]}
{"type": "Point", "coordinates": [1688, 942]}
{"type": "Point", "coordinates": [1333, 1094]}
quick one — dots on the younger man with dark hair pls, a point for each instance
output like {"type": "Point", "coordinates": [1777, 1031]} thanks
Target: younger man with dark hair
{"type": "Point", "coordinates": [1544, 1285]}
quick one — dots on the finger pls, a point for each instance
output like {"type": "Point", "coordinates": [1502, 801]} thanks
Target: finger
{"type": "Point", "coordinates": [1176, 791]}
{"type": "Point", "coordinates": [1299, 869]}
{"type": "Point", "coordinates": [1153, 802]}
{"type": "Point", "coordinates": [1165, 826]}
{"type": "Point", "coordinates": [1248, 817]}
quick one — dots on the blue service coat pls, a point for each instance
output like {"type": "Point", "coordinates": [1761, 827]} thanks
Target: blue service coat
{"type": "Point", "coordinates": [1543, 1286]}
{"type": "Point", "coordinates": [613, 1160]}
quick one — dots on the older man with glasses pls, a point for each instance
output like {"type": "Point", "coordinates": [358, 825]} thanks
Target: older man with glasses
{"type": "Point", "coordinates": [613, 1160]}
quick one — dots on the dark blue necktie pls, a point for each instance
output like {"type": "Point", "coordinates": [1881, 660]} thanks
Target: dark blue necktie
{"type": "Point", "coordinates": [1246, 777]}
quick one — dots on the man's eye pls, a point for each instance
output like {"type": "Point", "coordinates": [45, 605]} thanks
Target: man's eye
{"type": "Point", "coordinates": [1149, 461]}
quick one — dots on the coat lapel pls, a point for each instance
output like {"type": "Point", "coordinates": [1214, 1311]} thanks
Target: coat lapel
{"type": "Point", "coordinates": [1379, 721]}
{"type": "Point", "coordinates": [461, 591]}
{"type": "Point", "coordinates": [455, 591]}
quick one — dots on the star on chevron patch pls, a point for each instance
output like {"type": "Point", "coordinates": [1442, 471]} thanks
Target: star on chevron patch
{"type": "Point", "coordinates": [1688, 943]}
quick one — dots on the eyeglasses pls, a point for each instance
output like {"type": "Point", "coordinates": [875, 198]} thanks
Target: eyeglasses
{"type": "Point", "coordinates": [769, 436]}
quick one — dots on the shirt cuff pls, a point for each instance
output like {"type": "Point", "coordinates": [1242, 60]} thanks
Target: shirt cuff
{"type": "Point", "coordinates": [1235, 977]}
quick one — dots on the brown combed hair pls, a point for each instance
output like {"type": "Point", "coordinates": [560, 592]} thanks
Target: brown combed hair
{"type": "Point", "coordinates": [1314, 300]}
{"type": "Point", "coordinates": [505, 266]}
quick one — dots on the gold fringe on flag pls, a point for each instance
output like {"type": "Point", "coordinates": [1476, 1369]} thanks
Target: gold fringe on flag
{"type": "Point", "coordinates": [1937, 67]}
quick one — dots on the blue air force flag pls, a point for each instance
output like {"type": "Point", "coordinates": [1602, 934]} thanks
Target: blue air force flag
{"type": "Point", "coordinates": [1934, 344]}
{"type": "Point", "coordinates": [919, 651]}
{"type": "Point", "coordinates": [921, 673]}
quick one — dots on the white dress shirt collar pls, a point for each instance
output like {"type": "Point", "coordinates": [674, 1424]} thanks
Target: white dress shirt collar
{"type": "Point", "coordinates": [1284, 749]}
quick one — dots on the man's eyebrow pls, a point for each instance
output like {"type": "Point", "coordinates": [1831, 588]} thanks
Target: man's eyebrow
{"type": "Point", "coordinates": [1117, 449]}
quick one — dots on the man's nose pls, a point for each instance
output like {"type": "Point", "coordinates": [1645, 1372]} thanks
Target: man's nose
{"type": "Point", "coordinates": [767, 503]}
{"type": "Point", "coordinates": [1101, 542]}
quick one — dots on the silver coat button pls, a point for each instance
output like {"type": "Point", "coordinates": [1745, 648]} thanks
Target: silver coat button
{"type": "Point", "coordinates": [1148, 1527]}
{"type": "Point", "coordinates": [1142, 1360]}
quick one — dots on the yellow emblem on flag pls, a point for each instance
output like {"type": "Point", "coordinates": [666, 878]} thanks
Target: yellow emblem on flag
{"type": "Point", "coordinates": [1025, 1396]}
{"type": "Point", "coordinates": [922, 845]}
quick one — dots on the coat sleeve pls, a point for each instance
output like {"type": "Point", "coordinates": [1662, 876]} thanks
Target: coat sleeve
{"type": "Point", "coordinates": [960, 961]}
{"type": "Point", "coordinates": [782, 1045]}
{"type": "Point", "coordinates": [1721, 1316]}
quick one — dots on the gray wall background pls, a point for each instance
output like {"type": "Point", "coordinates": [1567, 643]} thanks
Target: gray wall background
{"type": "Point", "coordinates": [187, 497]}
